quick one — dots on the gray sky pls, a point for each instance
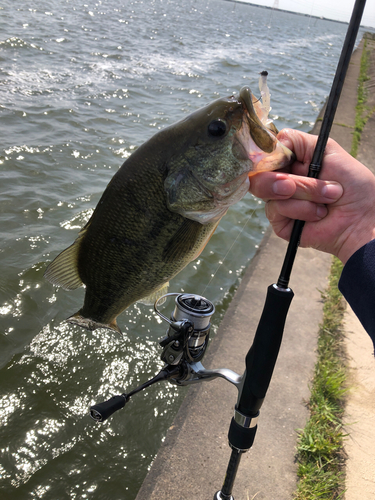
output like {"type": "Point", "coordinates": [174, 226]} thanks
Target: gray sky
{"type": "Point", "coordinates": [332, 9]}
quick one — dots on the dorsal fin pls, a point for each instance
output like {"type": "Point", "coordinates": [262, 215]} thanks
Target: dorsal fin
{"type": "Point", "coordinates": [63, 270]}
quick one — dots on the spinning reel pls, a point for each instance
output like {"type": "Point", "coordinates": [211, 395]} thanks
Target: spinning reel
{"type": "Point", "coordinates": [184, 347]}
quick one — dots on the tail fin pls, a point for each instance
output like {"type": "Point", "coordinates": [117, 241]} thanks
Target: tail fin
{"type": "Point", "coordinates": [90, 324]}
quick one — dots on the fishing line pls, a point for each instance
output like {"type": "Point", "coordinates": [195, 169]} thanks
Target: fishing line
{"type": "Point", "coordinates": [230, 248]}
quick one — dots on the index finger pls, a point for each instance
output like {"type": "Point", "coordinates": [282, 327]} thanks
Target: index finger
{"type": "Point", "coordinates": [281, 186]}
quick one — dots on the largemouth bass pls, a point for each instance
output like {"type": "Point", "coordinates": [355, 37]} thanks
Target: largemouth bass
{"type": "Point", "coordinates": [163, 205]}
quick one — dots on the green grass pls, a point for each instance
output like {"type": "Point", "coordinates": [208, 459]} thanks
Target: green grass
{"type": "Point", "coordinates": [363, 113]}
{"type": "Point", "coordinates": [320, 443]}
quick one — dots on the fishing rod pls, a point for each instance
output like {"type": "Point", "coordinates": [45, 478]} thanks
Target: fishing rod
{"type": "Point", "coordinates": [186, 339]}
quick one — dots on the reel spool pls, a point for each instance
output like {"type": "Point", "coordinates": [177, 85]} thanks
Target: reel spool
{"type": "Point", "coordinates": [192, 313]}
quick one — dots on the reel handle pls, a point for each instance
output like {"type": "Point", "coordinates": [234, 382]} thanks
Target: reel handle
{"type": "Point", "coordinates": [102, 411]}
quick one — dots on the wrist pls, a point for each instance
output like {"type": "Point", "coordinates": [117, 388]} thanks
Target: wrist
{"type": "Point", "coordinates": [354, 243]}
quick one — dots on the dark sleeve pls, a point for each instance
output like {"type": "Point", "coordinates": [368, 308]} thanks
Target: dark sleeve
{"type": "Point", "coordinates": [357, 284]}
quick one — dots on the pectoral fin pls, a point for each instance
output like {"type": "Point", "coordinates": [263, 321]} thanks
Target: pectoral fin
{"type": "Point", "coordinates": [183, 241]}
{"type": "Point", "coordinates": [153, 297]}
{"type": "Point", "coordinates": [200, 249]}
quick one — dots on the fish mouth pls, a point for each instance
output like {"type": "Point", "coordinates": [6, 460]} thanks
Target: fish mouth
{"type": "Point", "coordinates": [257, 141]}
{"type": "Point", "coordinates": [205, 194]}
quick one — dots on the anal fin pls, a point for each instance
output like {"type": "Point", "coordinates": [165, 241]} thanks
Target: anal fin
{"type": "Point", "coordinates": [91, 325]}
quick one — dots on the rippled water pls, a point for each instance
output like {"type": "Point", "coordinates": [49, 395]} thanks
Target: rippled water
{"type": "Point", "coordinates": [82, 85]}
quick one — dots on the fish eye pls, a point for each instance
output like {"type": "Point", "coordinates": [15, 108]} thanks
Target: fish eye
{"type": "Point", "coordinates": [217, 128]}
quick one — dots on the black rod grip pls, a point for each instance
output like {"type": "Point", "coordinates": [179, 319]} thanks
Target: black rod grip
{"type": "Point", "coordinates": [262, 356]}
{"type": "Point", "coordinates": [102, 411]}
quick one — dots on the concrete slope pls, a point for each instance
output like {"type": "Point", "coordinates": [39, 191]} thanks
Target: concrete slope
{"type": "Point", "coordinates": [193, 459]}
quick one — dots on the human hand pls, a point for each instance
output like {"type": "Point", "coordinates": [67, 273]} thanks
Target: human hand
{"type": "Point", "coordinates": [339, 207]}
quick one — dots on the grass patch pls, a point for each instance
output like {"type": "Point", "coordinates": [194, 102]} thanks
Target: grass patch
{"type": "Point", "coordinates": [362, 112]}
{"type": "Point", "coordinates": [320, 455]}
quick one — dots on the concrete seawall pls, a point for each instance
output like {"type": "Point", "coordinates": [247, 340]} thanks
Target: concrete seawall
{"type": "Point", "coordinates": [192, 461]}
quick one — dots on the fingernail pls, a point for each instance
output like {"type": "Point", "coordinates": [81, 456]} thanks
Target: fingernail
{"type": "Point", "coordinates": [283, 187]}
{"type": "Point", "coordinates": [333, 190]}
{"type": "Point", "coordinates": [321, 211]}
